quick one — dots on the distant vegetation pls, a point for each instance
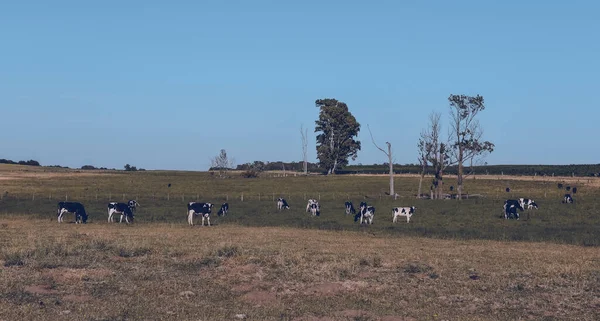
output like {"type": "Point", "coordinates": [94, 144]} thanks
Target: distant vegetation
{"type": "Point", "coordinates": [30, 162]}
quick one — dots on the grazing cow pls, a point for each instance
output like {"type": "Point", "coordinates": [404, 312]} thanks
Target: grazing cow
{"type": "Point", "coordinates": [310, 203]}
{"type": "Point", "coordinates": [315, 209]}
{"type": "Point", "coordinates": [524, 202]}
{"type": "Point", "coordinates": [224, 209]}
{"type": "Point", "coordinates": [403, 211]}
{"type": "Point", "coordinates": [349, 208]}
{"type": "Point", "coordinates": [204, 209]}
{"type": "Point", "coordinates": [126, 210]}
{"type": "Point", "coordinates": [568, 199]}
{"type": "Point", "coordinates": [511, 208]}
{"type": "Point", "coordinates": [281, 204]}
{"type": "Point", "coordinates": [72, 207]}
{"type": "Point", "coordinates": [368, 215]}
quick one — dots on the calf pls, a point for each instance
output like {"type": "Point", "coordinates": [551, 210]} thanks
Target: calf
{"type": "Point", "coordinates": [223, 210]}
{"type": "Point", "coordinates": [72, 207]}
{"type": "Point", "coordinates": [125, 209]}
{"type": "Point", "coordinates": [511, 208]}
{"type": "Point", "coordinates": [349, 208]}
{"type": "Point", "coordinates": [204, 209]}
{"type": "Point", "coordinates": [403, 211]}
{"type": "Point", "coordinates": [524, 202]}
{"type": "Point", "coordinates": [281, 204]}
{"type": "Point", "coordinates": [368, 215]}
{"type": "Point", "coordinates": [567, 199]}
{"type": "Point", "coordinates": [310, 203]}
{"type": "Point", "coordinates": [315, 209]}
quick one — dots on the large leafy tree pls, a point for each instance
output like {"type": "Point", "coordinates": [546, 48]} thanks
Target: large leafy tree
{"type": "Point", "coordinates": [337, 129]}
{"type": "Point", "coordinates": [466, 143]}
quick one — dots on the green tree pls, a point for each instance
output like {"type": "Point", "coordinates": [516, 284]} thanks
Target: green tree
{"type": "Point", "coordinates": [337, 128]}
{"type": "Point", "coordinates": [466, 143]}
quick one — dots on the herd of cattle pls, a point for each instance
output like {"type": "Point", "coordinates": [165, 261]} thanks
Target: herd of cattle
{"type": "Point", "coordinates": [365, 214]}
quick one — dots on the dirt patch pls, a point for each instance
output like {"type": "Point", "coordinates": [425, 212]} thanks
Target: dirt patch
{"type": "Point", "coordinates": [355, 314]}
{"type": "Point", "coordinates": [81, 298]}
{"type": "Point", "coordinates": [40, 289]}
{"type": "Point", "coordinates": [326, 289]}
{"type": "Point", "coordinates": [67, 275]}
{"type": "Point", "coordinates": [260, 298]}
{"type": "Point", "coordinates": [397, 318]}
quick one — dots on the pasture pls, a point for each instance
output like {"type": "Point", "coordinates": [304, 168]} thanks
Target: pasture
{"type": "Point", "coordinates": [454, 260]}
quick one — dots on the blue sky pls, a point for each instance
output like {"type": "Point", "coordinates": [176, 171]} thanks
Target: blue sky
{"type": "Point", "coordinates": [166, 85]}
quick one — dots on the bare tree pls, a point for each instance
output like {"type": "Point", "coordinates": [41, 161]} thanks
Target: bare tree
{"type": "Point", "coordinates": [304, 133]}
{"type": "Point", "coordinates": [466, 133]}
{"type": "Point", "coordinates": [390, 162]}
{"type": "Point", "coordinates": [432, 151]}
{"type": "Point", "coordinates": [222, 163]}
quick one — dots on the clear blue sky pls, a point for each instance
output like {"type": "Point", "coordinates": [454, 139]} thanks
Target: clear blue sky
{"type": "Point", "coordinates": [167, 84]}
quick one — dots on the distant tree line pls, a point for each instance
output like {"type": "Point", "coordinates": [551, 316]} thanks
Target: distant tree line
{"type": "Point", "coordinates": [279, 166]}
{"type": "Point", "coordinates": [30, 162]}
{"type": "Point", "coordinates": [523, 170]}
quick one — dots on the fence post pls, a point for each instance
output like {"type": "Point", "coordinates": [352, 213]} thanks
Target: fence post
{"type": "Point", "coordinates": [242, 198]}
{"type": "Point", "coordinates": [319, 196]}
{"type": "Point", "coordinates": [66, 197]}
{"type": "Point", "coordinates": [33, 197]}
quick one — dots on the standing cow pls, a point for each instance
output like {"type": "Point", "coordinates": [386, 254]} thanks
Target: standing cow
{"type": "Point", "coordinates": [203, 209]}
{"type": "Point", "coordinates": [282, 204]}
{"type": "Point", "coordinates": [72, 207]}
{"type": "Point", "coordinates": [349, 208]}
{"type": "Point", "coordinates": [403, 211]}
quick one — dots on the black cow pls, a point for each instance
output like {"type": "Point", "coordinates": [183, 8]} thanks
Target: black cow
{"type": "Point", "coordinates": [315, 209]}
{"type": "Point", "coordinates": [204, 209]}
{"type": "Point", "coordinates": [511, 208]}
{"type": "Point", "coordinates": [349, 208]}
{"type": "Point", "coordinates": [125, 209]}
{"type": "Point", "coordinates": [72, 207]}
{"type": "Point", "coordinates": [567, 199]}
{"type": "Point", "coordinates": [282, 203]}
{"type": "Point", "coordinates": [368, 215]}
{"type": "Point", "coordinates": [361, 210]}
{"type": "Point", "coordinates": [223, 210]}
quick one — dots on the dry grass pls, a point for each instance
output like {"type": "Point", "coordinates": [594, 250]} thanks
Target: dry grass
{"type": "Point", "coordinates": [174, 272]}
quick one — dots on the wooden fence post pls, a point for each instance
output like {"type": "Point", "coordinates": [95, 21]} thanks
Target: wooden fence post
{"type": "Point", "coordinates": [242, 198]}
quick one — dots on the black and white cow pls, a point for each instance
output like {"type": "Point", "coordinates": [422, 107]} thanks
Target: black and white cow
{"type": "Point", "coordinates": [361, 209]}
{"type": "Point", "coordinates": [315, 209]}
{"type": "Point", "coordinates": [403, 211]}
{"type": "Point", "coordinates": [224, 209]}
{"type": "Point", "coordinates": [368, 215]}
{"type": "Point", "coordinates": [125, 209]}
{"type": "Point", "coordinates": [527, 203]}
{"type": "Point", "coordinates": [349, 208]}
{"type": "Point", "coordinates": [72, 207]}
{"type": "Point", "coordinates": [310, 203]}
{"type": "Point", "coordinates": [281, 204]}
{"type": "Point", "coordinates": [203, 209]}
{"type": "Point", "coordinates": [511, 209]}
{"type": "Point", "coordinates": [567, 199]}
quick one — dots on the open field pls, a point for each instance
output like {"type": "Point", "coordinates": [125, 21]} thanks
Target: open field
{"type": "Point", "coordinates": [167, 271]}
{"type": "Point", "coordinates": [479, 218]}
{"type": "Point", "coordinates": [456, 260]}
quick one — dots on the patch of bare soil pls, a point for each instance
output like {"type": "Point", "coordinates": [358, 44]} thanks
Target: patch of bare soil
{"type": "Point", "coordinates": [40, 289]}
{"type": "Point", "coordinates": [67, 275]}
{"type": "Point", "coordinates": [80, 298]}
{"type": "Point", "coordinates": [262, 298]}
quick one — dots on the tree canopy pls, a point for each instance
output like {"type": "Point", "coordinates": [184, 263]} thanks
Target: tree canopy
{"type": "Point", "coordinates": [337, 128]}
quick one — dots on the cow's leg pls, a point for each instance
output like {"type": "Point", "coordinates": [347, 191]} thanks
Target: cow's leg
{"type": "Point", "coordinates": [208, 220]}
{"type": "Point", "coordinates": [191, 217]}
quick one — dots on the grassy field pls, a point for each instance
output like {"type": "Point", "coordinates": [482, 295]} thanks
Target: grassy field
{"type": "Point", "coordinates": [454, 261]}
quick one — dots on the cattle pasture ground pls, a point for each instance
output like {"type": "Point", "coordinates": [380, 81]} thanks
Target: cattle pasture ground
{"type": "Point", "coordinates": [455, 260]}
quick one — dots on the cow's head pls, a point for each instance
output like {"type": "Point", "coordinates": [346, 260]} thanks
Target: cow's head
{"type": "Point", "coordinates": [533, 204]}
